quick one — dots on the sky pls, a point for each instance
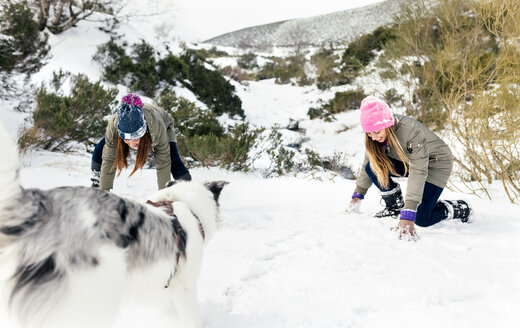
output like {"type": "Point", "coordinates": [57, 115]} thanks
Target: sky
{"type": "Point", "coordinates": [199, 20]}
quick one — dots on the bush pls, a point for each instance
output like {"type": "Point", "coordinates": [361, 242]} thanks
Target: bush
{"type": "Point", "coordinates": [247, 61]}
{"type": "Point", "coordinates": [314, 112]}
{"type": "Point", "coordinates": [115, 62]}
{"type": "Point", "coordinates": [281, 158]}
{"type": "Point", "coordinates": [469, 84]}
{"type": "Point", "coordinates": [325, 63]}
{"type": "Point", "coordinates": [236, 73]}
{"type": "Point", "coordinates": [229, 151]}
{"type": "Point", "coordinates": [211, 87]}
{"type": "Point", "coordinates": [361, 51]}
{"type": "Point", "coordinates": [172, 68]}
{"type": "Point", "coordinates": [344, 101]}
{"type": "Point", "coordinates": [79, 117]}
{"type": "Point", "coordinates": [213, 52]}
{"type": "Point", "coordinates": [284, 70]}
{"type": "Point", "coordinates": [144, 73]}
{"type": "Point", "coordinates": [341, 102]}
{"type": "Point", "coordinates": [23, 48]}
{"type": "Point", "coordinates": [189, 119]}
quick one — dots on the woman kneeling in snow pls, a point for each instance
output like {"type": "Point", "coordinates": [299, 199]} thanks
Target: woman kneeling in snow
{"type": "Point", "coordinates": [398, 145]}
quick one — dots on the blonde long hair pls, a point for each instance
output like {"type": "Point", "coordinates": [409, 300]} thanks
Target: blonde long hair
{"type": "Point", "coordinates": [380, 164]}
{"type": "Point", "coordinates": [122, 151]}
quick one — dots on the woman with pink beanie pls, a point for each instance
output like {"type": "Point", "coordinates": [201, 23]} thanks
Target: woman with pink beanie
{"type": "Point", "coordinates": [400, 146]}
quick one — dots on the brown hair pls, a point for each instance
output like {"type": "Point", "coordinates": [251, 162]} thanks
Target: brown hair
{"type": "Point", "coordinates": [122, 151]}
{"type": "Point", "coordinates": [380, 164]}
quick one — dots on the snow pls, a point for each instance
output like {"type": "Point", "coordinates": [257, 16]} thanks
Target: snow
{"type": "Point", "coordinates": [285, 253]}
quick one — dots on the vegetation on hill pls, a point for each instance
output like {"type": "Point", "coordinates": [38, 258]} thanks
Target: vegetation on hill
{"type": "Point", "coordinates": [465, 56]}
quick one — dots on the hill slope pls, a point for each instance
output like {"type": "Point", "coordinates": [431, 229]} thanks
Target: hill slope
{"type": "Point", "coordinates": [337, 28]}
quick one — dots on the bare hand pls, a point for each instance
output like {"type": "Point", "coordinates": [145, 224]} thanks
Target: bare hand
{"type": "Point", "coordinates": [406, 230]}
{"type": "Point", "coordinates": [353, 206]}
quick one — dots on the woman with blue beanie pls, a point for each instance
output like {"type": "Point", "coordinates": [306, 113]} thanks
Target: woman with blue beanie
{"type": "Point", "coordinates": [400, 146]}
{"type": "Point", "coordinates": [144, 128]}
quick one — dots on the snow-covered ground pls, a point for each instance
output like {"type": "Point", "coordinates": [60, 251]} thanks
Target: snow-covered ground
{"type": "Point", "coordinates": [285, 253]}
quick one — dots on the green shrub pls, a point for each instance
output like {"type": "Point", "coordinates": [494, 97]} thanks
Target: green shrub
{"type": "Point", "coordinates": [314, 112]}
{"type": "Point", "coordinates": [79, 117]}
{"type": "Point", "coordinates": [284, 70]}
{"type": "Point", "coordinates": [213, 52]}
{"type": "Point", "coordinates": [247, 61]}
{"type": "Point", "coordinates": [172, 68]}
{"type": "Point", "coordinates": [23, 48]}
{"type": "Point", "coordinates": [325, 62]}
{"type": "Point", "coordinates": [211, 88]}
{"type": "Point", "coordinates": [361, 51]}
{"type": "Point", "coordinates": [115, 62]}
{"type": "Point", "coordinates": [144, 72]}
{"type": "Point", "coordinates": [189, 119]}
{"type": "Point", "coordinates": [242, 141]}
{"type": "Point", "coordinates": [236, 73]}
{"type": "Point", "coordinates": [344, 101]}
{"type": "Point", "coordinates": [282, 158]}
{"type": "Point", "coordinates": [229, 151]}
{"type": "Point", "coordinates": [267, 71]}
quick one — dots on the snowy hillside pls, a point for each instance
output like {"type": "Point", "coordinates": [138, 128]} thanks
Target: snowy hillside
{"type": "Point", "coordinates": [336, 28]}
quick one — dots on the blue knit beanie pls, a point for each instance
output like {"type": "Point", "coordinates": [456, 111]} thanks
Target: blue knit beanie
{"type": "Point", "coordinates": [132, 124]}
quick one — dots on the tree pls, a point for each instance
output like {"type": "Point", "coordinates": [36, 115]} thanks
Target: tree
{"type": "Point", "coordinates": [467, 63]}
{"type": "Point", "coordinates": [60, 15]}
{"type": "Point", "coordinates": [23, 48]}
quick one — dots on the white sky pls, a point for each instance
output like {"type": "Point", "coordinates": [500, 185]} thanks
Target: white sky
{"type": "Point", "coordinates": [199, 20]}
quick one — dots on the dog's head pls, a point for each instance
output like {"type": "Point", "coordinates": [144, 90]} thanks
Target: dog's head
{"type": "Point", "coordinates": [200, 199]}
{"type": "Point", "coordinates": [215, 187]}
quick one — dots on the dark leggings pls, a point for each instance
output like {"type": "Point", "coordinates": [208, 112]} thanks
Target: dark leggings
{"type": "Point", "coordinates": [429, 211]}
{"type": "Point", "coordinates": [177, 166]}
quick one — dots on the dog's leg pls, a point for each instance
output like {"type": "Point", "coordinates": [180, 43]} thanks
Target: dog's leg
{"type": "Point", "coordinates": [184, 282]}
{"type": "Point", "coordinates": [184, 289]}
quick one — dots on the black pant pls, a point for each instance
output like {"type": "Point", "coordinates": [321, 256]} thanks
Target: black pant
{"type": "Point", "coordinates": [177, 166]}
{"type": "Point", "coordinates": [429, 211]}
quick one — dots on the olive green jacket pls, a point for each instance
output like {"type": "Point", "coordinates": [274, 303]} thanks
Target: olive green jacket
{"type": "Point", "coordinates": [430, 158]}
{"type": "Point", "coordinates": [162, 132]}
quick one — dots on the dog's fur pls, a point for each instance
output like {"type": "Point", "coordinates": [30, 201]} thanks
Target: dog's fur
{"type": "Point", "coordinates": [68, 256]}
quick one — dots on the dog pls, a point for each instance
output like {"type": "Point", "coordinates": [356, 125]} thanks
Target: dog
{"type": "Point", "coordinates": [69, 256]}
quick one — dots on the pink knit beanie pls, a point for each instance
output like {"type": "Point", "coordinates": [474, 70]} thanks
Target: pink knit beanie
{"type": "Point", "coordinates": [375, 115]}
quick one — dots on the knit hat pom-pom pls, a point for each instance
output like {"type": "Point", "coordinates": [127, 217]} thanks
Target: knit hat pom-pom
{"type": "Point", "coordinates": [132, 99]}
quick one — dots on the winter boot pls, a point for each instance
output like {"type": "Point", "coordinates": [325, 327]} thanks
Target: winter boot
{"type": "Point", "coordinates": [457, 209]}
{"type": "Point", "coordinates": [95, 178]}
{"type": "Point", "coordinates": [393, 203]}
{"type": "Point", "coordinates": [95, 168]}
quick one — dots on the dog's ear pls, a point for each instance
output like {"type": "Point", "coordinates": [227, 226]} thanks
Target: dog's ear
{"type": "Point", "coordinates": [215, 187]}
{"type": "Point", "coordinates": [170, 183]}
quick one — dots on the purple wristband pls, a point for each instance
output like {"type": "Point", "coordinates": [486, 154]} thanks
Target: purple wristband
{"type": "Point", "coordinates": [357, 195]}
{"type": "Point", "coordinates": [408, 215]}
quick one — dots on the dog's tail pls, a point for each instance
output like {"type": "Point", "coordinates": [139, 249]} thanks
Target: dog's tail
{"type": "Point", "coordinates": [9, 166]}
